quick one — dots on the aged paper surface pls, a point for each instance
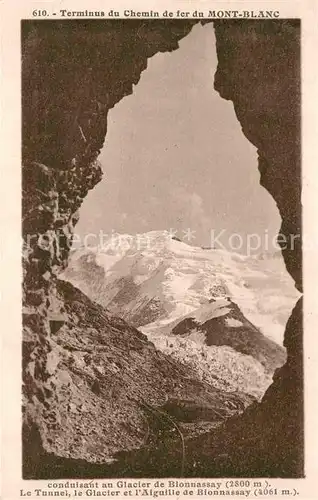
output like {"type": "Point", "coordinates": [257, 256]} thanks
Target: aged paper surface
{"type": "Point", "coordinates": [157, 304]}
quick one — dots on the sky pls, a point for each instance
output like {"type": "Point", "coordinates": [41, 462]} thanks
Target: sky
{"type": "Point", "coordinates": [175, 158]}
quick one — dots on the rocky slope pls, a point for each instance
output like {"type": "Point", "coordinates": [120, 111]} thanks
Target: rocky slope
{"type": "Point", "coordinates": [113, 391]}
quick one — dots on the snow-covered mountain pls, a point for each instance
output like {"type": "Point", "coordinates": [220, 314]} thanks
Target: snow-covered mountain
{"type": "Point", "coordinates": [202, 306]}
{"type": "Point", "coordinates": [151, 280]}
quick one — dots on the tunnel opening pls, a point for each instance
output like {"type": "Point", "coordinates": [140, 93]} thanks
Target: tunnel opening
{"type": "Point", "coordinates": [173, 174]}
{"type": "Point", "coordinates": [82, 148]}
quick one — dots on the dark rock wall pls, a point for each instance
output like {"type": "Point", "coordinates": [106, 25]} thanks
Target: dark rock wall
{"type": "Point", "coordinates": [259, 70]}
{"type": "Point", "coordinates": [73, 73]}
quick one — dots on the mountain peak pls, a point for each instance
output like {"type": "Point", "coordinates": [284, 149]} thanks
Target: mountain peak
{"type": "Point", "coordinates": [151, 279]}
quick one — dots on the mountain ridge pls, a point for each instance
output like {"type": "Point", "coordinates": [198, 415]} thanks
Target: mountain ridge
{"type": "Point", "coordinates": [197, 306]}
{"type": "Point", "coordinates": [152, 279]}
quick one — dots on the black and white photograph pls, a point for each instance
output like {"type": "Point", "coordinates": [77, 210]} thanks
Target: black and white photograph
{"type": "Point", "coordinates": [162, 249]}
